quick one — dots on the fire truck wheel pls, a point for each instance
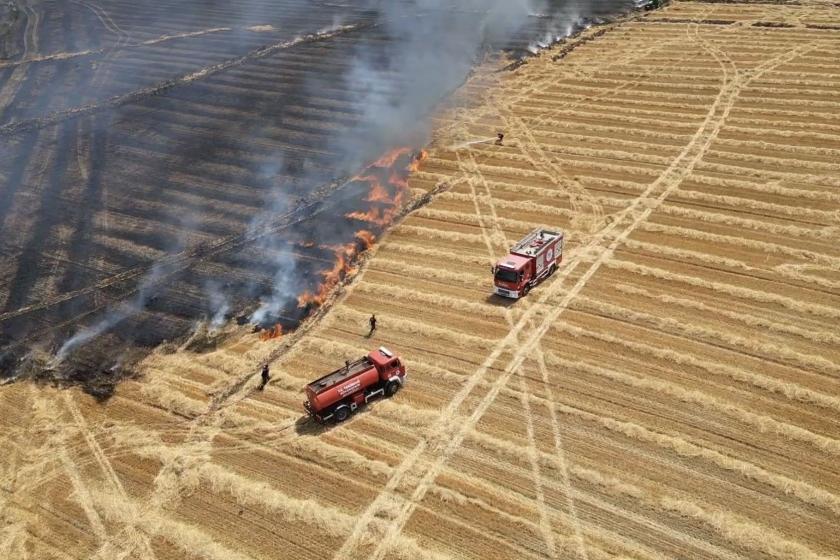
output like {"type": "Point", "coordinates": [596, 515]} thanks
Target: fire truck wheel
{"type": "Point", "coordinates": [526, 289]}
{"type": "Point", "coordinates": [341, 413]}
{"type": "Point", "coordinates": [391, 388]}
{"type": "Point", "coordinates": [552, 270]}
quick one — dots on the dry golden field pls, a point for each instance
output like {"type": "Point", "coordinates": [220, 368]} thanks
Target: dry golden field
{"type": "Point", "coordinates": [672, 392]}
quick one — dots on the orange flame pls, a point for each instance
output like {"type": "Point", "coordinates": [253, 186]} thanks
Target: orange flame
{"type": "Point", "coordinates": [384, 211]}
{"type": "Point", "coordinates": [415, 163]}
{"type": "Point", "coordinates": [373, 216]}
{"type": "Point", "coordinates": [388, 159]}
{"type": "Point", "coordinates": [340, 270]}
{"type": "Point", "coordinates": [366, 237]}
{"type": "Point", "coordinates": [274, 332]}
{"type": "Point", "coordinates": [397, 181]}
{"type": "Point", "coordinates": [378, 193]}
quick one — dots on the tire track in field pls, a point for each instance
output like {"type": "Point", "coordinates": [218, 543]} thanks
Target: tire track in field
{"type": "Point", "coordinates": [106, 550]}
{"type": "Point", "coordinates": [82, 495]}
{"type": "Point", "coordinates": [30, 44]}
{"type": "Point", "coordinates": [13, 538]}
{"type": "Point", "coordinates": [106, 21]}
{"type": "Point", "coordinates": [192, 455]}
{"type": "Point", "coordinates": [525, 399]}
{"type": "Point", "coordinates": [14, 535]}
{"type": "Point", "coordinates": [56, 444]}
{"type": "Point", "coordinates": [30, 36]}
{"type": "Point", "coordinates": [532, 450]}
{"type": "Point", "coordinates": [557, 175]}
{"type": "Point", "coordinates": [498, 235]}
{"type": "Point", "coordinates": [672, 442]}
{"type": "Point", "coordinates": [166, 492]}
{"type": "Point", "coordinates": [560, 452]}
{"type": "Point", "coordinates": [453, 436]}
{"type": "Point", "coordinates": [544, 161]}
{"type": "Point", "coordinates": [504, 111]}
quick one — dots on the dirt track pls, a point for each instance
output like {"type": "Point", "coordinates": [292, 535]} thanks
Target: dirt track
{"type": "Point", "coordinates": [672, 392]}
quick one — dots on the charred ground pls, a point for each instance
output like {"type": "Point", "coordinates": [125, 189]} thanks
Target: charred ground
{"type": "Point", "coordinates": [144, 144]}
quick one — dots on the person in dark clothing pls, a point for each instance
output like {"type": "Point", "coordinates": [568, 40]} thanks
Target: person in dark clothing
{"type": "Point", "coordinates": [372, 322]}
{"type": "Point", "coordinates": [265, 377]}
{"type": "Point", "coordinates": [499, 138]}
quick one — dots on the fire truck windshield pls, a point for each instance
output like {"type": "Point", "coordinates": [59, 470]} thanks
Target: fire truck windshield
{"type": "Point", "coordinates": [506, 275]}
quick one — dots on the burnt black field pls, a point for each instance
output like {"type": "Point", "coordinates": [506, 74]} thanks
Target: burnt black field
{"type": "Point", "coordinates": [164, 163]}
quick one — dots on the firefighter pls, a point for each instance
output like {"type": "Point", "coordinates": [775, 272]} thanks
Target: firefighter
{"type": "Point", "coordinates": [265, 377]}
{"type": "Point", "coordinates": [372, 322]}
{"type": "Point", "coordinates": [499, 137]}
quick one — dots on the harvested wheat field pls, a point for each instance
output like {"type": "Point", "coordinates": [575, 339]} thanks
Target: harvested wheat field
{"type": "Point", "coordinates": [673, 391]}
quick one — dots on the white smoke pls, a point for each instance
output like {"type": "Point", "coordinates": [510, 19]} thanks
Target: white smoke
{"type": "Point", "coordinates": [550, 37]}
{"type": "Point", "coordinates": [432, 47]}
{"type": "Point", "coordinates": [115, 315]}
{"type": "Point", "coordinates": [337, 25]}
{"type": "Point", "coordinates": [284, 287]}
{"type": "Point", "coordinates": [429, 49]}
{"type": "Point", "coordinates": [276, 252]}
{"type": "Point", "coordinates": [111, 319]}
{"type": "Point", "coordinates": [218, 304]}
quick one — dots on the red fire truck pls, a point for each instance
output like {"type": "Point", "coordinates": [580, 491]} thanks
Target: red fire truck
{"type": "Point", "coordinates": [336, 395]}
{"type": "Point", "coordinates": [530, 261]}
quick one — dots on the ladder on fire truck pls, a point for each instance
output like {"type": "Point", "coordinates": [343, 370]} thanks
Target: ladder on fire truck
{"type": "Point", "coordinates": [532, 243]}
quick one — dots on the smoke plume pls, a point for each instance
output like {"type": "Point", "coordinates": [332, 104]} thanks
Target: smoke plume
{"type": "Point", "coordinates": [218, 303]}
{"type": "Point", "coordinates": [400, 68]}
{"type": "Point", "coordinates": [115, 315]}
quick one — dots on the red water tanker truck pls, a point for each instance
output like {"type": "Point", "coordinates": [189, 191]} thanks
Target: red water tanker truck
{"type": "Point", "coordinates": [338, 394]}
{"type": "Point", "coordinates": [530, 261]}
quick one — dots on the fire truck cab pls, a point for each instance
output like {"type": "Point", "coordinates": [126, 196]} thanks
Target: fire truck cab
{"type": "Point", "coordinates": [530, 261]}
{"type": "Point", "coordinates": [339, 393]}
